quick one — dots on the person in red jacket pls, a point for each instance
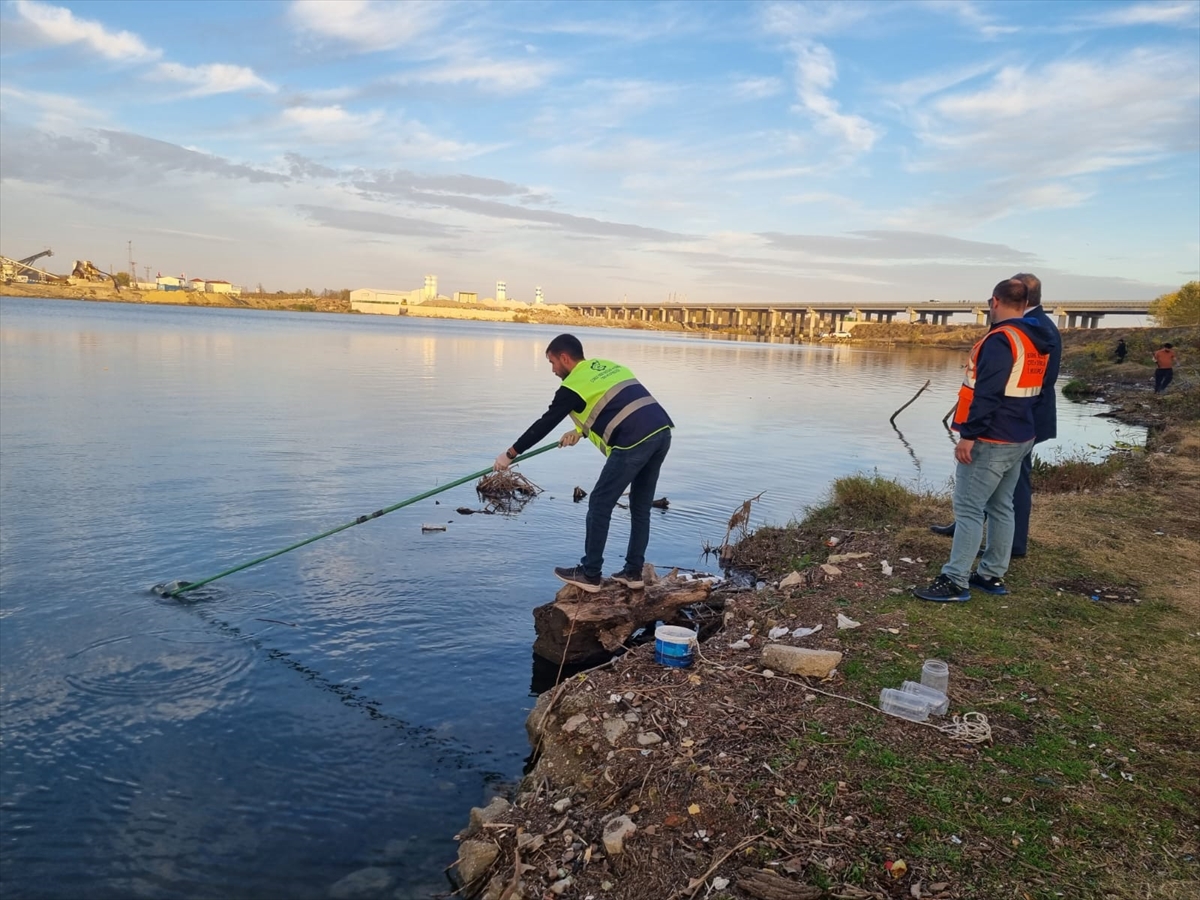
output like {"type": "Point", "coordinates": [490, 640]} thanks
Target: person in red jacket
{"type": "Point", "coordinates": [995, 423]}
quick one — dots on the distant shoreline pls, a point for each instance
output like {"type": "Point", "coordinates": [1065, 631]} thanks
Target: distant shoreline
{"type": "Point", "coordinates": [949, 337]}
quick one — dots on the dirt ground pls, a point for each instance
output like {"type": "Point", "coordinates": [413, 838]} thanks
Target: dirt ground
{"type": "Point", "coordinates": [744, 783]}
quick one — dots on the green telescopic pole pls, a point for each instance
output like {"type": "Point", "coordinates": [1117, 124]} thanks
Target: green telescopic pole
{"type": "Point", "coordinates": [192, 585]}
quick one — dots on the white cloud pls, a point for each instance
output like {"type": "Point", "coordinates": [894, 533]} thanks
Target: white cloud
{"type": "Point", "coordinates": [500, 77]}
{"type": "Point", "coordinates": [57, 112]}
{"type": "Point", "coordinates": [403, 138]}
{"type": "Point", "coordinates": [1185, 14]}
{"type": "Point", "coordinates": [365, 24]}
{"type": "Point", "coordinates": [330, 123]}
{"type": "Point", "coordinates": [969, 13]}
{"type": "Point", "coordinates": [757, 88]}
{"type": "Point", "coordinates": [214, 78]}
{"type": "Point", "coordinates": [816, 73]}
{"type": "Point", "coordinates": [59, 26]}
{"type": "Point", "coordinates": [804, 21]}
{"type": "Point", "coordinates": [1069, 118]}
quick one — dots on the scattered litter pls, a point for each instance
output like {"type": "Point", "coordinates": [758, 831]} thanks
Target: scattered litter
{"type": "Point", "coordinates": [897, 868]}
{"type": "Point", "coordinates": [467, 511]}
{"type": "Point", "coordinates": [906, 559]}
{"type": "Point", "coordinates": [805, 632]}
{"type": "Point", "coordinates": [830, 570]}
{"type": "Point", "coordinates": [845, 557]}
{"type": "Point", "coordinates": [792, 580]}
{"type": "Point", "coordinates": [955, 839]}
{"type": "Point", "coordinates": [833, 542]}
{"type": "Point", "coordinates": [740, 645]}
{"type": "Point", "coordinates": [844, 621]}
{"type": "Point", "coordinates": [661, 503]}
{"type": "Point", "coordinates": [694, 809]}
{"type": "Point", "coordinates": [578, 494]}
{"type": "Point", "coordinates": [776, 633]}
{"type": "Point", "coordinates": [887, 567]}
{"type": "Point", "coordinates": [433, 527]}
{"type": "Point", "coordinates": [719, 884]}
{"type": "Point", "coordinates": [768, 673]}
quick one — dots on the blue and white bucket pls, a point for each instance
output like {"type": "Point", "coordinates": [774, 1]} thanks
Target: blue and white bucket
{"type": "Point", "coordinates": [673, 646]}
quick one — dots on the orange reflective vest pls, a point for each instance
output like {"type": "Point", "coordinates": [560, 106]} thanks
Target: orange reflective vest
{"type": "Point", "coordinates": [1025, 380]}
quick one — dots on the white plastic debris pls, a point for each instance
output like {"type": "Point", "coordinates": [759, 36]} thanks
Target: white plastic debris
{"type": "Point", "coordinates": [719, 884]}
{"type": "Point", "coordinates": [906, 559]}
{"type": "Point", "coordinates": [776, 633]}
{"type": "Point", "coordinates": [845, 621]}
{"type": "Point", "coordinates": [805, 632]}
{"type": "Point", "coordinates": [887, 567]}
{"type": "Point", "coordinates": [739, 645]}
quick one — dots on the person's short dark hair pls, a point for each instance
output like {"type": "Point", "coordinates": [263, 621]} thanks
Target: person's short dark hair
{"type": "Point", "coordinates": [568, 344]}
{"type": "Point", "coordinates": [1166, 346]}
{"type": "Point", "coordinates": [1033, 288]}
{"type": "Point", "coordinates": [1011, 292]}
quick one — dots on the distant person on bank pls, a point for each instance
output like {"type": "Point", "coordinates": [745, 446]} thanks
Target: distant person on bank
{"type": "Point", "coordinates": [994, 419]}
{"type": "Point", "coordinates": [1045, 418]}
{"type": "Point", "coordinates": [610, 407]}
{"type": "Point", "coordinates": [1164, 371]}
{"type": "Point", "coordinates": [1122, 350]}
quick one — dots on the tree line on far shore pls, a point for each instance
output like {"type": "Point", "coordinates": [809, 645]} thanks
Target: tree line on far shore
{"type": "Point", "coordinates": [1181, 307]}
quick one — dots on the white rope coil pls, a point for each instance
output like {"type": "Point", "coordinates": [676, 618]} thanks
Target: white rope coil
{"type": "Point", "coordinates": [971, 727]}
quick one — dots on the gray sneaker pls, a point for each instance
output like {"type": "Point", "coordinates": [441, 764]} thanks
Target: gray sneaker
{"type": "Point", "coordinates": [574, 575]}
{"type": "Point", "coordinates": [632, 580]}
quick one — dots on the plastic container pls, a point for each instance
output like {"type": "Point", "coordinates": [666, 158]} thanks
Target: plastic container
{"type": "Point", "coordinates": [939, 703]}
{"type": "Point", "coordinates": [913, 707]}
{"type": "Point", "coordinates": [673, 646]}
{"type": "Point", "coordinates": [936, 674]}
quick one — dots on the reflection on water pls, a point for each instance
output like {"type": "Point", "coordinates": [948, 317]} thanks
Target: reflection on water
{"type": "Point", "coordinates": [344, 704]}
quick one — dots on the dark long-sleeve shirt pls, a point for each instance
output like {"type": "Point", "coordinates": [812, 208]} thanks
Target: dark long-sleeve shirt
{"type": "Point", "coordinates": [565, 402]}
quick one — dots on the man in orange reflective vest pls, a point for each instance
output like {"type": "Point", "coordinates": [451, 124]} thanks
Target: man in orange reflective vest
{"type": "Point", "coordinates": [994, 420]}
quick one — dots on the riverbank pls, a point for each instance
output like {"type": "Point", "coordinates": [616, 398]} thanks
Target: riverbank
{"type": "Point", "coordinates": [729, 781]}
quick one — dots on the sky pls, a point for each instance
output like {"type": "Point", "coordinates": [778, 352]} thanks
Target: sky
{"type": "Point", "coordinates": [610, 151]}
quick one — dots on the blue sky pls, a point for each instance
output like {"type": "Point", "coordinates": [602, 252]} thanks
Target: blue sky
{"type": "Point", "coordinates": [774, 151]}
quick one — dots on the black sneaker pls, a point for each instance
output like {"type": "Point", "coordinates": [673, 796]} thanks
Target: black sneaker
{"type": "Point", "coordinates": [632, 580]}
{"type": "Point", "coordinates": [984, 583]}
{"type": "Point", "coordinates": [943, 530]}
{"type": "Point", "coordinates": [943, 590]}
{"type": "Point", "coordinates": [577, 577]}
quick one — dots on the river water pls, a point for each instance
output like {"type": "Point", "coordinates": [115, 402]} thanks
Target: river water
{"type": "Point", "coordinates": [341, 706]}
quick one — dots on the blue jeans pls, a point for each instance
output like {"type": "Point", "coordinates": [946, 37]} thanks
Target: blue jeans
{"type": "Point", "coordinates": [985, 486]}
{"type": "Point", "coordinates": [637, 469]}
{"type": "Point", "coordinates": [1023, 504]}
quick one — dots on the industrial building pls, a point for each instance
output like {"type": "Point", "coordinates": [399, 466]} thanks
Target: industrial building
{"type": "Point", "coordinates": [389, 303]}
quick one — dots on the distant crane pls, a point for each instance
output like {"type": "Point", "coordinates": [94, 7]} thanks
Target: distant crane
{"type": "Point", "coordinates": [30, 260]}
{"type": "Point", "coordinates": [22, 269]}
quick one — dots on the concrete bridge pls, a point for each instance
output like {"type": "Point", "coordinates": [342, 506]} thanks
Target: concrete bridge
{"type": "Point", "coordinates": [782, 320]}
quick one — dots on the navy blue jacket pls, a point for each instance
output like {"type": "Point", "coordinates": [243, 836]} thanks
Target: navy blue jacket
{"type": "Point", "coordinates": [992, 415]}
{"type": "Point", "coordinates": [1045, 409]}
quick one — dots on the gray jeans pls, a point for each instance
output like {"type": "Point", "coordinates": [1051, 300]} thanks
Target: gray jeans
{"type": "Point", "coordinates": [985, 486]}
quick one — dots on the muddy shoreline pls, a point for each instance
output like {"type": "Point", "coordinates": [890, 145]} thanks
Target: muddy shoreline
{"type": "Point", "coordinates": [735, 782]}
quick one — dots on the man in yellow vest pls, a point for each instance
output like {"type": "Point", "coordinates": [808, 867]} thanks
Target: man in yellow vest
{"type": "Point", "coordinates": [995, 423]}
{"type": "Point", "coordinates": [611, 408]}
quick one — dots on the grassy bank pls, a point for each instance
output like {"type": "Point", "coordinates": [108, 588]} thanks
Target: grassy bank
{"type": "Point", "coordinates": [769, 787]}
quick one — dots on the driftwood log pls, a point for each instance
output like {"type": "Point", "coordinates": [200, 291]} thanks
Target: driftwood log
{"type": "Point", "coordinates": [599, 624]}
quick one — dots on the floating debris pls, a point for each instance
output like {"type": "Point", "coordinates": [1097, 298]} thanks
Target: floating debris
{"type": "Point", "coordinates": [579, 494]}
{"type": "Point", "coordinates": [506, 492]}
{"type": "Point", "coordinates": [661, 503]}
{"type": "Point", "coordinates": [427, 527]}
